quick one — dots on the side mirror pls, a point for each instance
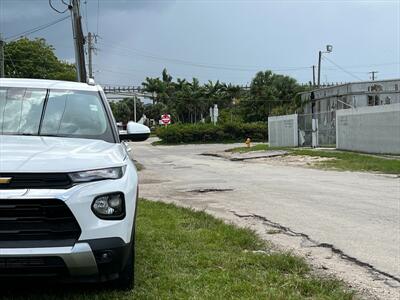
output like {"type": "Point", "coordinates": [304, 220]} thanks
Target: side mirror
{"type": "Point", "coordinates": [135, 132]}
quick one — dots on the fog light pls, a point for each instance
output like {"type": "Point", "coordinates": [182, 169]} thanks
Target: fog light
{"type": "Point", "coordinates": [104, 256]}
{"type": "Point", "coordinates": [109, 206]}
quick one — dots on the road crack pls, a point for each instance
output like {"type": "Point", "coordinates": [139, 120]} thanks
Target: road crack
{"type": "Point", "coordinates": [315, 244]}
{"type": "Point", "coordinates": [210, 190]}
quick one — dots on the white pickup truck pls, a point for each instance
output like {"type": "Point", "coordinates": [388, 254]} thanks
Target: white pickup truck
{"type": "Point", "coordinates": [68, 188]}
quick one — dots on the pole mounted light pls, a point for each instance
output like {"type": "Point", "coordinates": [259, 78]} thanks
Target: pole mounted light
{"type": "Point", "coordinates": [329, 49]}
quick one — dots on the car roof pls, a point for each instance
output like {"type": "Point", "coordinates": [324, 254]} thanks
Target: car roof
{"type": "Point", "coordinates": [47, 84]}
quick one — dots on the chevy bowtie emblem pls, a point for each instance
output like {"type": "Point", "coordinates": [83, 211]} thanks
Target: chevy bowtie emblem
{"type": "Point", "coordinates": [5, 180]}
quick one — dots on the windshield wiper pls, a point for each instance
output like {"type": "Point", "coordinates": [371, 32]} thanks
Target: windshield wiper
{"type": "Point", "coordinates": [53, 135]}
{"type": "Point", "coordinates": [16, 133]}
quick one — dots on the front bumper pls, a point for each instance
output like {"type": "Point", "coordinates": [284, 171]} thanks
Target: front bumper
{"type": "Point", "coordinates": [91, 260]}
{"type": "Point", "coordinates": [103, 247]}
{"type": "Point", "coordinates": [79, 259]}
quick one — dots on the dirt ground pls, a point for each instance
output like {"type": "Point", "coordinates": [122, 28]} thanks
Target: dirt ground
{"type": "Point", "coordinates": [345, 224]}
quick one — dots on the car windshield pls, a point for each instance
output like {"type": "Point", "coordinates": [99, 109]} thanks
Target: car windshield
{"type": "Point", "coordinates": [63, 113]}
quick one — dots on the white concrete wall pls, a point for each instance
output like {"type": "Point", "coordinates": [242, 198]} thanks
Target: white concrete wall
{"type": "Point", "coordinates": [372, 129]}
{"type": "Point", "coordinates": [283, 131]}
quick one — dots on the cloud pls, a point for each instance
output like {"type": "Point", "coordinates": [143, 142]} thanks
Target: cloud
{"type": "Point", "coordinates": [14, 11]}
{"type": "Point", "coordinates": [129, 5]}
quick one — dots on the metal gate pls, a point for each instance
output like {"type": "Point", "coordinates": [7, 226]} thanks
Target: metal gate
{"type": "Point", "coordinates": [318, 133]}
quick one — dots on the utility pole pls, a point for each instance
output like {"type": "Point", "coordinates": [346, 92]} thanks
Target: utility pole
{"type": "Point", "coordinates": [373, 74]}
{"type": "Point", "coordinates": [79, 41]}
{"type": "Point", "coordinates": [313, 75]}
{"type": "Point", "coordinates": [91, 49]}
{"type": "Point", "coordinates": [319, 67]}
{"type": "Point", "coordinates": [328, 50]}
{"type": "Point", "coordinates": [2, 75]}
{"type": "Point", "coordinates": [134, 108]}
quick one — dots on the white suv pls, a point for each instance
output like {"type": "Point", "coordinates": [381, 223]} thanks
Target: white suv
{"type": "Point", "coordinates": [68, 188]}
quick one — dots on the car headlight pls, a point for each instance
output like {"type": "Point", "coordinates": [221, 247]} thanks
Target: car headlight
{"type": "Point", "coordinates": [99, 174]}
{"type": "Point", "coordinates": [109, 206]}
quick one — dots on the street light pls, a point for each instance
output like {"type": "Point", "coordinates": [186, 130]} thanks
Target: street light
{"type": "Point", "coordinates": [329, 49]}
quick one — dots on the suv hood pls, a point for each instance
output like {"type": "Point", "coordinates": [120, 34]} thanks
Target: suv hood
{"type": "Point", "coordinates": [36, 154]}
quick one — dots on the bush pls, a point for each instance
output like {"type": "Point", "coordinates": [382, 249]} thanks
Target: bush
{"type": "Point", "coordinates": [206, 133]}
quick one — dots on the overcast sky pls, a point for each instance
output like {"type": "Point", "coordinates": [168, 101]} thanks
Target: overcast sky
{"type": "Point", "coordinates": [225, 40]}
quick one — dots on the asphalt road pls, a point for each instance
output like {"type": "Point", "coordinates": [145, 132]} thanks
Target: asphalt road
{"type": "Point", "coordinates": [357, 213]}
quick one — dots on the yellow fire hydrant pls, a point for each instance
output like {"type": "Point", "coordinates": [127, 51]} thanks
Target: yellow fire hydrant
{"type": "Point", "coordinates": [248, 142]}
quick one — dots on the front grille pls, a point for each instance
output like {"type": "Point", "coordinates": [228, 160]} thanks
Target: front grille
{"type": "Point", "coordinates": [36, 220]}
{"type": "Point", "coordinates": [36, 181]}
{"type": "Point", "coordinates": [27, 266]}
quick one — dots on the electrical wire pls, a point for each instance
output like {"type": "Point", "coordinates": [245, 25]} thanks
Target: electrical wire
{"type": "Point", "coordinates": [196, 64]}
{"type": "Point", "coordinates": [124, 51]}
{"type": "Point", "coordinates": [180, 61]}
{"type": "Point", "coordinates": [36, 29]}
{"type": "Point", "coordinates": [341, 68]}
{"type": "Point", "coordinates": [12, 62]}
{"type": "Point", "coordinates": [56, 10]}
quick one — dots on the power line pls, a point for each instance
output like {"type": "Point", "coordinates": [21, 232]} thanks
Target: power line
{"type": "Point", "coordinates": [36, 29]}
{"type": "Point", "coordinates": [373, 65]}
{"type": "Point", "coordinates": [41, 60]}
{"type": "Point", "coordinates": [344, 70]}
{"type": "Point", "coordinates": [198, 64]}
{"type": "Point", "coordinates": [176, 75]}
{"type": "Point", "coordinates": [137, 52]}
{"type": "Point", "coordinates": [56, 10]}
{"type": "Point", "coordinates": [12, 62]}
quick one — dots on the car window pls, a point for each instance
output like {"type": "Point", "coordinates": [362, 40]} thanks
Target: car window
{"type": "Point", "coordinates": [66, 113]}
{"type": "Point", "coordinates": [74, 113]}
{"type": "Point", "coordinates": [20, 110]}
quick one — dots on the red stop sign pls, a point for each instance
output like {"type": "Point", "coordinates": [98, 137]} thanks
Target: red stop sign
{"type": "Point", "coordinates": [166, 119]}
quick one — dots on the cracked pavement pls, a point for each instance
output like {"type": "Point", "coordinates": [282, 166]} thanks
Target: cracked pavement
{"type": "Point", "coordinates": [346, 224]}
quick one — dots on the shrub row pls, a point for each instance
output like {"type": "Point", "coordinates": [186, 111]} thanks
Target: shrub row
{"type": "Point", "coordinates": [203, 133]}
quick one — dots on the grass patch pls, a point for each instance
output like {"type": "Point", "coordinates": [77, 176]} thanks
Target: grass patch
{"type": "Point", "coordinates": [138, 165]}
{"type": "Point", "coordinates": [351, 161]}
{"type": "Point", "coordinates": [183, 254]}
{"type": "Point", "coordinates": [343, 160]}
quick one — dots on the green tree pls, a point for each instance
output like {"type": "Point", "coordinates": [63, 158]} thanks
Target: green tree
{"type": "Point", "coordinates": [124, 110]}
{"type": "Point", "coordinates": [189, 101]}
{"type": "Point", "coordinates": [154, 111]}
{"type": "Point", "coordinates": [268, 91]}
{"type": "Point", "coordinates": [121, 111]}
{"type": "Point", "coordinates": [163, 88]}
{"type": "Point", "coordinates": [27, 58]}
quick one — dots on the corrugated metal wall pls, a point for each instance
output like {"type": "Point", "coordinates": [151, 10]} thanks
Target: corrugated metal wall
{"type": "Point", "coordinates": [374, 129]}
{"type": "Point", "coordinates": [282, 131]}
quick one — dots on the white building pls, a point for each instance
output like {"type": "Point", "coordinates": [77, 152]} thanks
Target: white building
{"type": "Point", "coordinates": [321, 104]}
{"type": "Point", "coordinates": [352, 95]}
